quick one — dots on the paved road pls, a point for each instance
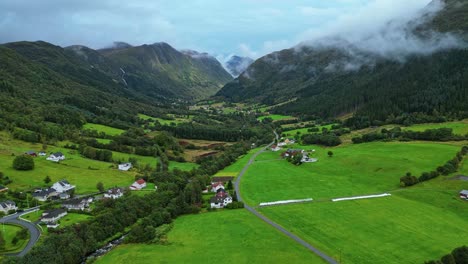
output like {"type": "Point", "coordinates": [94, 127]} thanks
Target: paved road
{"type": "Point", "coordinates": [33, 230]}
{"type": "Point", "coordinates": [264, 218]}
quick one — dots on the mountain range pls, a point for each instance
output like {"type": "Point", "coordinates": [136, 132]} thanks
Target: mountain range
{"type": "Point", "coordinates": [237, 65]}
{"type": "Point", "coordinates": [423, 69]}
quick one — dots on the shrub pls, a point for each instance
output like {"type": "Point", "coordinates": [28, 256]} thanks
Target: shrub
{"type": "Point", "coordinates": [23, 162]}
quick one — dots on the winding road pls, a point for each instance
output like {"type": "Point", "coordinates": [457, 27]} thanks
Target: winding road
{"type": "Point", "coordinates": [33, 230]}
{"type": "Point", "coordinates": [267, 220]}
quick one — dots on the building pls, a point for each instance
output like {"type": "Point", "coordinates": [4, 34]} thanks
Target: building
{"type": "Point", "coordinates": [217, 186]}
{"type": "Point", "coordinates": [275, 148]}
{"type": "Point", "coordinates": [138, 185]}
{"type": "Point", "coordinates": [292, 152]}
{"type": "Point", "coordinates": [63, 186]}
{"type": "Point", "coordinates": [52, 216]}
{"type": "Point", "coordinates": [222, 179]}
{"type": "Point", "coordinates": [221, 199]}
{"type": "Point", "coordinates": [464, 194]}
{"type": "Point", "coordinates": [56, 157]}
{"type": "Point", "coordinates": [42, 154]}
{"type": "Point", "coordinates": [44, 194]}
{"type": "Point", "coordinates": [64, 196]}
{"type": "Point", "coordinates": [31, 153]}
{"type": "Point", "coordinates": [114, 193]}
{"type": "Point", "coordinates": [125, 166]}
{"type": "Point", "coordinates": [77, 204]}
{"type": "Point", "coordinates": [7, 206]}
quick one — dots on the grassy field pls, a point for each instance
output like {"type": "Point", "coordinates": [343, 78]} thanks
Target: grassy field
{"type": "Point", "coordinates": [275, 117]}
{"type": "Point", "coordinates": [71, 219]}
{"type": "Point", "coordinates": [353, 170]}
{"type": "Point", "coordinates": [414, 225]}
{"type": "Point", "coordinates": [152, 161]}
{"type": "Point", "coordinates": [82, 172]}
{"type": "Point", "coordinates": [459, 127]}
{"type": "Point", "coordinates": [303, 131]}
{"type": "Point", "coordinates": [176, 120]}
{"type": "Point", "coordinates": [9, 232]}
{"type": "Point", "coordinates": [219, 237]}
{"type": "Point", "coordinates": [235, 168]}
{"type": "Point", "coordinates": [111, 131]}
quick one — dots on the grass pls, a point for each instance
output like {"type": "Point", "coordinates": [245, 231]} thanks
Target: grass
{"type": "Point", "coordinates": [219, 237]}
{"type": "Point", "coordinates": [152, 161]}
{"type": "Point", "coordinates": [275, 117]}
{"type": "Point", "coordinates": [9, 232]}
{"type": "Point", "coordinates": [33, 216]}
{"type": "Point", "coordinates": [235, 168]}
{"type": "Point", "coordinates": [412, 226]}
{"type": "Point", "coordinates": [303, 131]}
{"type": "Point", "coordinates": [356, 169]}
{"type": "Point", "coordinates": [103, 140]}
{"type": "Point", "coordinates": [176, 120]}
{"type": "Point", "coordinates": [71, 219]}
{"type": "Point", "coordinates": [459, 127]}
{"type": "Point", "coordinates": [111, 131]}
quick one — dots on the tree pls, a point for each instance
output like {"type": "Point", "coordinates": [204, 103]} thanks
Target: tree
{"type": "Point", "coordinates": [229, 185]}
{"type": "Point", "coordinates": [47, 179]}
{"type": "Point", "coordinates": [100, 186]}
{"type": "Point", "coordinates": [2, 241]}
{"type": "Point", "coordinates": [330, 153]}
{"type": "Point", "coordinates": [23, 162]}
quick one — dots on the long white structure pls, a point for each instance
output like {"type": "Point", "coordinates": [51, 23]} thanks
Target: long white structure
{"type": "Point", "coordinates": [286, 202]}
{"type": "Point", "coordinates": [361, 197]}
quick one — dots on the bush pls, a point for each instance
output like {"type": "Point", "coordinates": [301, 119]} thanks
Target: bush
{"type": "Point", "coordinates": [23, 162]}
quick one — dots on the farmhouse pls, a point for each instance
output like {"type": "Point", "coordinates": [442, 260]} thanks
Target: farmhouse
{"type": "Point", "coordinates": [42, 154]}
{"type": "Point", "coordinates": [464, 194]}
{"type": "Point", "coordinates": [289, 141]}
{"type": "Point", "coordinates": [217, 186]}
{"type": "Point", "coordinates": [63, 186]}
{"type": "Point", "coordinates": [292, 153]}
{"type": "Point", "coordinates": [125, 166]}
{"type": "Point", "coordinates": [31, 153]}
{"type": "Point", "coordinates": [281, 144]}
{"type": "Point", "coordinates": [44, 194]}
{"type": "Point", "coordinates": [114, 193]}
{"type": "Point", "coordinates": [56, 157]}
{"type": "Point", "coordinates": [51, 216]}
{"type": "Point", "coordinates": [7, 206]}
{"type": "Point", "coordinates": [307, 159]}
{"type": "Point", "coordinates": [138, 185]}
{"type": "Point", "coordinates": [77, 204]}
{"type": "Point", "coordinates": [275, 148]}
{"type": "Point", "coordinates": [64, 196]}
{"type": "Point", "coordinates": [221, 199]}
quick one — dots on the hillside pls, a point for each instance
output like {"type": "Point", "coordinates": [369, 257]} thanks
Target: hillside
{"type": "Point", "coordinates": [336, 77]}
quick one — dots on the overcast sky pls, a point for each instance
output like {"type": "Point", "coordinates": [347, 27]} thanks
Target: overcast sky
{"type": "Point", "coordinates": [221, 27]}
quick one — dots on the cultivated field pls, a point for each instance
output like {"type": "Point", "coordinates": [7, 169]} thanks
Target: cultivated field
{"type": "Point", "coordinates": [111, 131]}
{"type": "Point", "coordinates": [176, 120]}
{"type": "Point", "coordinates": [219, 237]}
{"type": "Point", "coordinates": [459, 127]}
{"type": "Point", "coordinates": [275, 117]}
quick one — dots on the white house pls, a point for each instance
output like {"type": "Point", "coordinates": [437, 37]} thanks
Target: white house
{"type": "Point", "coordinates": [52, 216]}
{"type": "Point", "coordinates": [42, 154]}
{"type": "Point", "coordinates": [464, 194]}
{"type": "Point", "coordinates": [281, 144]}
{"type": "Point", "coordinates": [114, 193]}
{"type": "Point", "coordinates": [125, 166]}
{"type": "Point", "coordinates": [63, 186]}
{"type": "Point", "coordinates": [138, 185]}
{"type": "Point", "coordinates": [220, 200]}
{"type": "Point", "coordinates": [77, 204]}
{"type": "Point", "coordinates": [44, 194]}
{"type": "Point", "coordinates": [7, 206]}
{"type": "Point", "coordinates": [216, 186]}
{"type": "Point", "coordinates": [307, 159]}
{"type": "Point", "coordinates": [275, 148]}
{"type": "Point", "coordinates": [56, 157]}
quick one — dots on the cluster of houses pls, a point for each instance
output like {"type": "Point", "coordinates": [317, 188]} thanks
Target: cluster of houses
{"type": "Point", "coordinates": [55, 157]}
{"type": "Point", "coordinates": [305, 158]}
{"type": "Point", "coordinates": [285, 142]}
{"type": "Point", "coordinates": [221, 197]}
{"type": "Point", "coordinates": [60, 189]}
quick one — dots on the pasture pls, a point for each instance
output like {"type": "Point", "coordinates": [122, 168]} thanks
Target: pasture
{"type": "Point", "coordinates": [458, 127]}
{"type": "Point", "coordinates": [275, 117]}
{"type": "Point", "coordinates": [111, 131]}
{"type": "Point", "coordinates": [229, 236]}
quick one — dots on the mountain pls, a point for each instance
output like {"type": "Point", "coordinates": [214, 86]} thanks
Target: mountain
{"type": "Point", "coordinates": [335, 77]}
{"type": "Point", "coordinates": [237, 65]}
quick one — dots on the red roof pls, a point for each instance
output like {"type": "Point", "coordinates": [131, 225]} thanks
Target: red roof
{"type": "Point", "coordinates": [141, 181]}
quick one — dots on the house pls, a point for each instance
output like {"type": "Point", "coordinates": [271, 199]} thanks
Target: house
{"type": "Point", "coordinates": [77, 204]}
{"type": "Point", "coordinates": [114, 193]}
{"type": "Point", "coordinates": [292, 153]}
{"type": "Point", "coordinates": [52, 216]}
{"type": "Point", "coordinates": [275, 148]}
{"type": "Point", "coordinates": [281, 144]}
{"type": "Point", "coordinates": [125, 166]}
{"type": "Point", "coordinates": [31, 153]}
{"type": "Point", "coordinates": [42, 154]}
{"type": "Point", "coordinates": [63, 186]}
{"type": "Point", "coordinates": [217, 186]}
{"type": "Point", "coordinates": [56, 157]}
{"type": "Point", "coordinates": [64, 196]}
{"type": "Point", "coordinates": [464, 194]}
{"type": "Point", "coordinates": [138, 185]}
{"type": "Point", "coordinates": [7, 206]}
{"type": "Point", "coordinates": [220, 200]}
{"type": "Point", "coordinates": [289, 141]}
{"type": "Point", "coordinates": [307, 159]}
{"type": "Point", "coordinates": [3, 188]}
{"type": "Point", "coordinates": [44, 194]}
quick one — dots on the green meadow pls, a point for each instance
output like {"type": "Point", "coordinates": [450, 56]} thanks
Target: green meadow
{"type": "Point", "coordinates": [356, 169]}
{"type": "Point", "coordinates": [275, 117]}
{"type": "Point", "coordinates": [235, 168]}
{"type": "Point", "coordinates": [111, 131]}
{"type": "Point", "coordinates": [9, 232]}
{"type": "Point", "coordinates": [176, 120]}
{"type": "Point", "coordinates": [303, 131]}
{"type": "Point", "coordinates": [413, 225]}
{"type": "Point", "coordinates": [152, 161]}
{"type": "Point", "coordinates": [458, 127]}
{"type": "Point", "coordinates": [229, 236]}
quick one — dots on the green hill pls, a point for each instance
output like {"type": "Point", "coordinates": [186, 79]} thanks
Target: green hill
{"type": "Point", "coordinates": [339, 77]}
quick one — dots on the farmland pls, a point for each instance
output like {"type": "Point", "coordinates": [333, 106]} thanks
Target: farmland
{"type": "Point", "coordinates": [229, 237]}
{"type": "Point", "coordinates": [458, 127]}
{"type": "Point", "coordinates": [275, 117]}
{"type": "Point", "coordinates": [111, 131]}
{"type": "Point", "coordinates": [175, 120]}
